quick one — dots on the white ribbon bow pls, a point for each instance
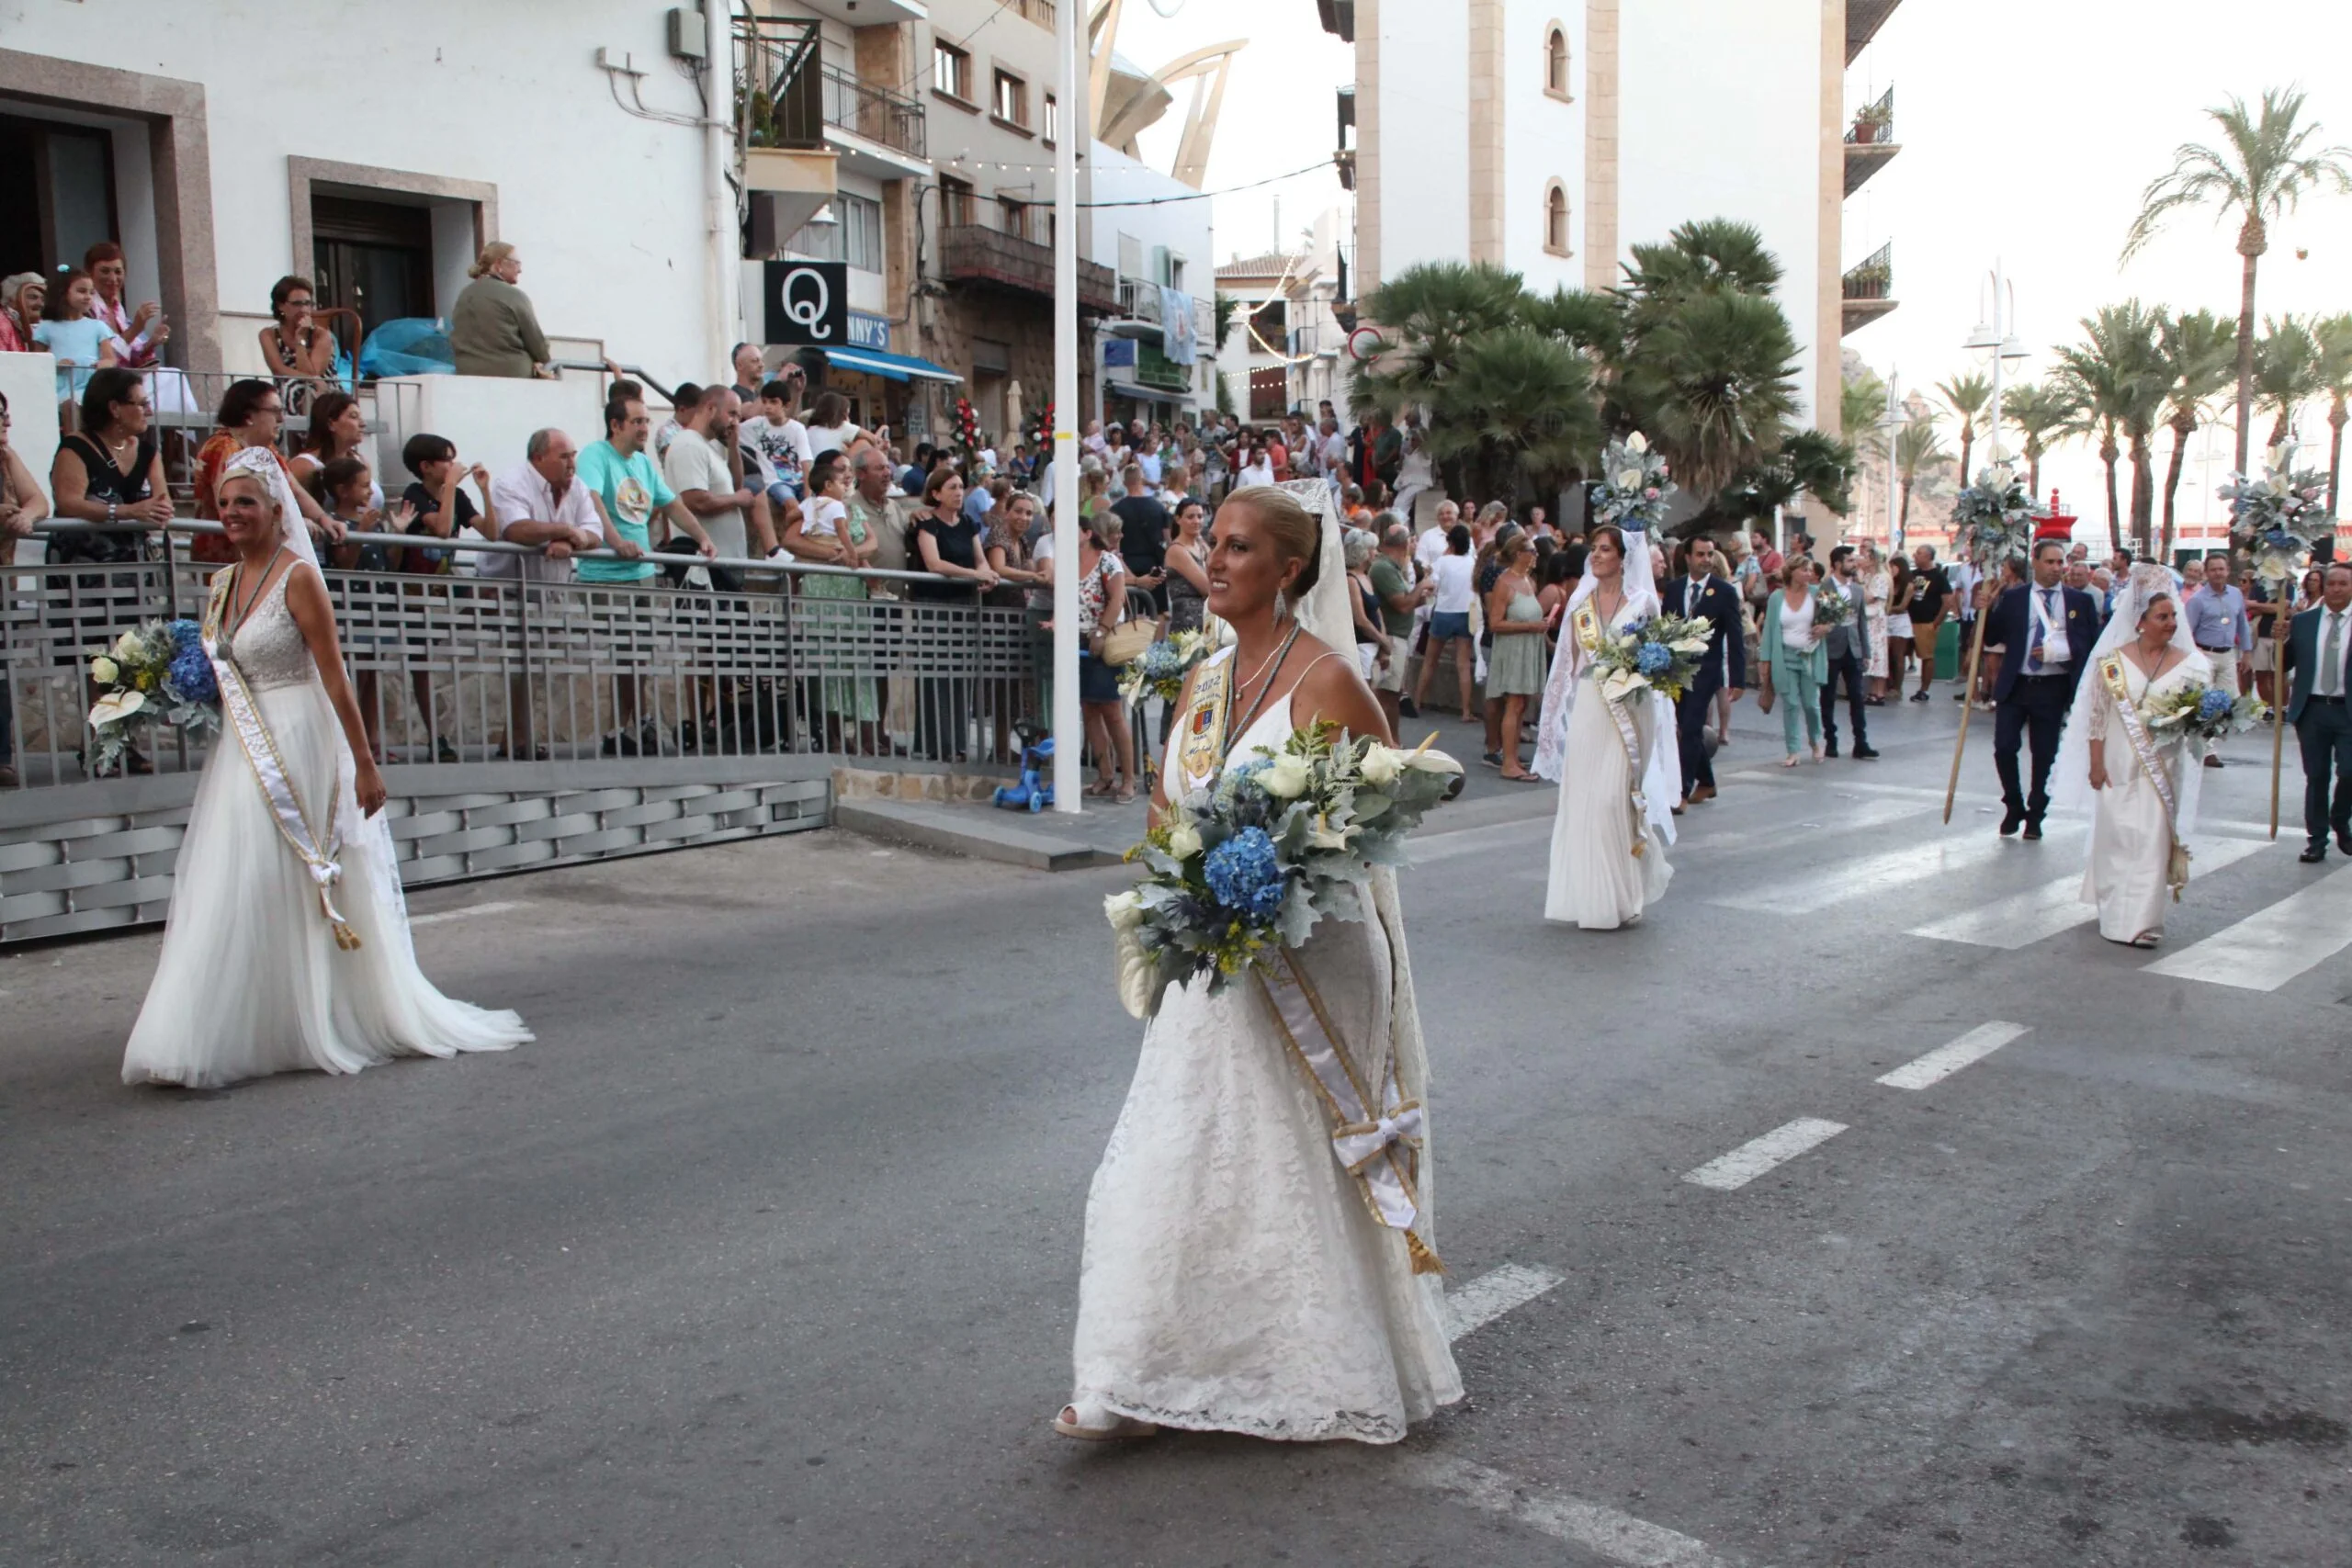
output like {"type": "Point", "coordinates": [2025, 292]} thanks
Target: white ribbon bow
{"type": "Point", "coordinates": [1360, 1144]}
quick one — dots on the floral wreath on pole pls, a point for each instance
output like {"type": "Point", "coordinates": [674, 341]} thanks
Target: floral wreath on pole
{"type": "Point", "coordinates": [1632, 489]}
{"type": "Point", "coordinates": [1996, 516]}
{"type": "Point", "coordinates": [968, 428]}
{"type": "Point", "coordinates": [2279, 517]}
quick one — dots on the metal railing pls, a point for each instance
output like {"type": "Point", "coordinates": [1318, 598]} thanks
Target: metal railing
{"type": "Point", "coordinates": [876, 113]}
{"type": "Point", "coordinates": [777, 99]}
{"type": "Point", "coordinates": [1874, 121]}
{"type": "Point", "coordinates": [773, 657]}
{"type": "Point", "coordinates": [1872, 278]}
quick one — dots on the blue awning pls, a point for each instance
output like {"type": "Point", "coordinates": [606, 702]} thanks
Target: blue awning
{"type": "Point", "coordinates": [889, 366]}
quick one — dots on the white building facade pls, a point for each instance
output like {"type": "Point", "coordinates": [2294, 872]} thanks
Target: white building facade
{"type": "Point", "coordinates": [1549, 135]}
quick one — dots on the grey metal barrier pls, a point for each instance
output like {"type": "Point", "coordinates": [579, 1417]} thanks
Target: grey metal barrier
{"type": "Point", "coordinates": [740, 657]}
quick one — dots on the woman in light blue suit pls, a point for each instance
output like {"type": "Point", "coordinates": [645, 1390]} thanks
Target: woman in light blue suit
{"type": "Point", "coordinates": [1795, 662]}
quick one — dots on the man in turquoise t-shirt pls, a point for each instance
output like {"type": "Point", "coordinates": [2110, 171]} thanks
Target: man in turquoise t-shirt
{"type": "Point", "coordinates": [628, 489]}
{"type": "Point", "coordinates": [628, 483]}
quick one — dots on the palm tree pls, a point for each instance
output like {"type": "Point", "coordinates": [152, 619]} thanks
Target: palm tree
{"type": "Point", "coordinates": [1966, 396]}
{"type": "Point", "coordinates": [2201, 354]}
{"type": "Point", "coordinates": [2335, 334]}
{"type": "Point", "coordinates": [2286, 373]}
{"type": "Point", "coordinates": [1519, 409]}
{"type": "Point", "coordinates": [2262, 170]}
{"type": "Point", "coordinates": [2045, 414]}
{"type": "Point", "coordinates": [2120, 378]}
{"type": "Point", "coordinates": [1917, 447]}
{"type": "Point", "coordinates": [1861, 408]}
{"type": "Point", "coordinates": [1713, 383]}
{"type": "Point", "coordinates": [1425, 314]}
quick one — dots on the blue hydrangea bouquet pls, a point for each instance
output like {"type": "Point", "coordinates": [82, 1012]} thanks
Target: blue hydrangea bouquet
{"type": "Point", "coordinates": [158, 673]}
{"type": "Point", "coordinates": [1662, 652]}
{"type": "Point", "coordinates": [1160, 670]}
{"type": "Point", "coordinates": [1278, 843]}
{"type": "Point", "coordinates": [2203, 713]}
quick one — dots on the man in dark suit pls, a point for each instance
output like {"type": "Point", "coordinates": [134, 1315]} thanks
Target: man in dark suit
{"type": "Point", "coordinates": [1846, 647]}
{"type": "Point", "coordinates": [2319, 642]}
{"type": "Point", "coordinates": [2048, 630]}
{"type": "Point", "coordinates": [1705, 595]}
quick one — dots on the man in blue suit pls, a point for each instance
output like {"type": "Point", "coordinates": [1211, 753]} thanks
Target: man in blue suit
{"type": "Point", "coordinates": [2048, 630]}
{"type": "Point", "coordinates": [1705, 595]}
{"type": "Point", "coordinates": [2318, 644]}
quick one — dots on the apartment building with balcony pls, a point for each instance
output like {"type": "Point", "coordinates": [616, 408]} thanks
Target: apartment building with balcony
{"type": "Point", "coordinates": [1157, 356]}
{"type": "Point", "coordinates": [1550, 137]}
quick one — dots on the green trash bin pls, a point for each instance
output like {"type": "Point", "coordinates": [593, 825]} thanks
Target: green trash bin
{"type": "Point", "coordinates": [1948, 651]}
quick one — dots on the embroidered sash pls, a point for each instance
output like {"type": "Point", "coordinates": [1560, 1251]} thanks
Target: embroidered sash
{"type": "Point", "coordinates": [1591, 635]}
{"type": "Point", "coordinates": [241, 718]}
{"type": "Point", "coordinates": [2112, 675]}
{"type": "Point", "coordinates": [1376, 1140]}
{"type": "Point", "coordinates": [1200, 748]}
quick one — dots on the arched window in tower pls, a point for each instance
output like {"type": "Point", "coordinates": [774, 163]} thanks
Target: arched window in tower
{"type": "Point", "coordinates": [1556, 219]}
{"type": "Point", "coordinates": [1556, 60]}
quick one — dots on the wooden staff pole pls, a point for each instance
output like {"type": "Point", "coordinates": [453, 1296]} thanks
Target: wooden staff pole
{"type": "Point", "coordinates": [1967, 706]}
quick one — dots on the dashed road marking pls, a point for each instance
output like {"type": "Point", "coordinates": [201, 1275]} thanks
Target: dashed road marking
{"type": "Point", "coordinates": [2023, 918]}
{"type": "Point", "coordinates": [1619, 1538]}
{"type": "Point", "coordinates": [497, 906]}
{"type": "Point", "coordinates": [1726, 1173]}
{"type": "Point", "coordinates": [1491, 1294]}
{"type": "Point", "coordinates": [1945, 1060]}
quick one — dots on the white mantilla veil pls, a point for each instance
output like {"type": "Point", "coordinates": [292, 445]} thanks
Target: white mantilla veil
{"type": "Point", "coordinates": [1662, 775]}
{"type": "Point", "coordinates": [1325, 613]}
{"type": "Point", "coordinates": [2070, 777]}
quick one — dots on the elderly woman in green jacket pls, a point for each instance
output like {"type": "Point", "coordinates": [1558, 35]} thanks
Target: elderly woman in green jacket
{"type": "Point", "coordinates": [1795, 662]}
{"type": "Point", "coordinates": [493, 329]}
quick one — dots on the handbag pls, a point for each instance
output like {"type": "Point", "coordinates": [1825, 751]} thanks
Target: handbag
{"type": "Point", "coordinates": [1125, 643]}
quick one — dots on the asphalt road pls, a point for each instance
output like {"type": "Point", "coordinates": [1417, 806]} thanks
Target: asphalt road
{"type": "Point", "coordinates": [765, 1252]}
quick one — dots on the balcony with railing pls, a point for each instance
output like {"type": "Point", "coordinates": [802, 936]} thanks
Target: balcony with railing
{"type": "Point", "coordinates": [791, 101]}
{"type": "Point", "coordinates": [1869, 140]}
{"type": "Point", "coordinates": [1868, 288]}
{"type": "Point", "coordinates": [970, 253]}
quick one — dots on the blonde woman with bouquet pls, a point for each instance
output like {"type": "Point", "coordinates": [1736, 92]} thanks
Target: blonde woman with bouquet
{"type": "Point", "coordinates": [1239, 1277]}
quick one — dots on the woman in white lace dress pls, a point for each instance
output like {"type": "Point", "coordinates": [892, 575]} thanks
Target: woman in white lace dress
{"type": "Point", "coordinates": [1612, 823]}
{"type": "Point", "coordinates": [287, 944]}
{"type": "Point", "coordinates": [1235, 1278]}
{"type": "Point", "coordinates": [2140, 785]}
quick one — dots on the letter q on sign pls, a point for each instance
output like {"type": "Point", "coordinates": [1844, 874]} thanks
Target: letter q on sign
{"type": "Point", "coordinates": [807, 303]}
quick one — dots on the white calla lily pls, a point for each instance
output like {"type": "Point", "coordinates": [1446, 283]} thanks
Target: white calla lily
{"type": "Point", "coordinates": [1638, 442]}
{"type": "Point", "coordinates": [116, 707]}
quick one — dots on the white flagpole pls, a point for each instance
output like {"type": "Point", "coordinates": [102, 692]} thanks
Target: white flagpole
{"type": "Point", "coordinates": [1069, 726]}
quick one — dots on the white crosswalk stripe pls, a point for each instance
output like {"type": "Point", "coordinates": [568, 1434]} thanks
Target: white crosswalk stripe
{"type": "Point", "coordinates": [2272, 945]}
{"type": "Point", "coordinates": [1935, 856]}
{"type": "Point", "coordinates": [2023, 918]}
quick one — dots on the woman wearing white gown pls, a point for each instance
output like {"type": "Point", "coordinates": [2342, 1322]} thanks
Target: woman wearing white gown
{"type": "Point", "coordinates": [1612, 825]}
{"type": "Point", "coordinates": [288, 944]}
{"type": "Point", "coordinates": [2140, 786]}
{"type": "Point", "coordinates": [1235, 1277]}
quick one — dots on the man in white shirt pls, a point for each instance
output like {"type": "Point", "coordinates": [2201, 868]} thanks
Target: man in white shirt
{"type": "Point", "coordinates": [1429, 548]}
{"type": "Point", "coordinates": [1331, 452]}
{"type": "Point", "coordinates": [697, 468]}
{"type": "Point", "coordinates": [540, 500]}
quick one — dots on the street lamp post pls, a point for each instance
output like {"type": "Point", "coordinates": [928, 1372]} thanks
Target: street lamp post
{"type": "Point", "coordinates": [1994, 340]}
{"type": "Point", "coordinates": [1069, 723]}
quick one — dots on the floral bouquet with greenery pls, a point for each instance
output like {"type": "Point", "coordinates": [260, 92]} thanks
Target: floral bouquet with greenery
{"type": "Point", "coordinates": [2279, 518]}
{"type": "Point", "coordinates": [1632, 489]}
{"type": "Point", "coordinates": [1831, 608]}
{"type": "Point", "coordinates": [1662, 652]}
{"type": "Point", "coordinates": [2203, 713]}
{"type": "Point", "coordinates": [154, 673]}
{"type": "Point", "coordinates": [1997, 517]}
{"type": "Point", "coordinates": [1278, 843]}
{"type": "Point", "coordinates": [1162, 669]}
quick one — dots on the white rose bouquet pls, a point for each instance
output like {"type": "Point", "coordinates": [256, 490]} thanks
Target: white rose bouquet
{"type": "Point", "coordinates": [1662, 652]}
{"type": "Point", "coordinates": [158, 673]}
{"type": "Point", "coordinates": [1277, 845]}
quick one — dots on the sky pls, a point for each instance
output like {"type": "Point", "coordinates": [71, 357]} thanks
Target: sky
{"type": "Point", "coordinates": [2028, 129]}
